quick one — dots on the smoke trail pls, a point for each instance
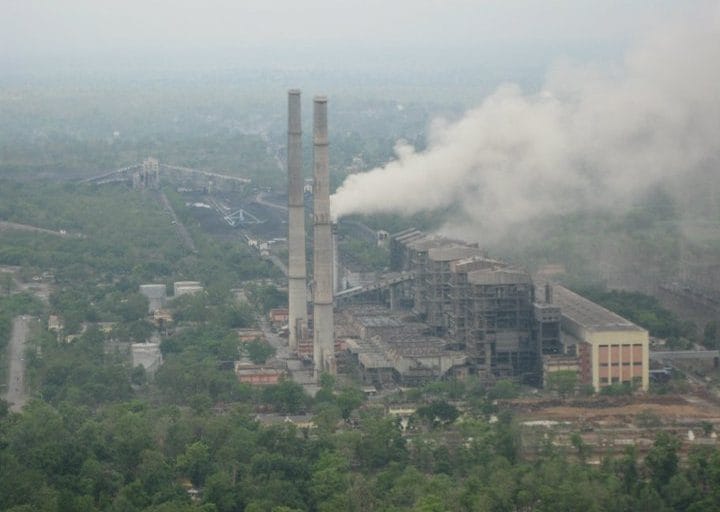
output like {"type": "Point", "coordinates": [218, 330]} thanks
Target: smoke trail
{"type": "Point", "coordinates": [591, 137]}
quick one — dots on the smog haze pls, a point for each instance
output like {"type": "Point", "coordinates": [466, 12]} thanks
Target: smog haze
{"type": "Point", "coordinates": [85, 35]}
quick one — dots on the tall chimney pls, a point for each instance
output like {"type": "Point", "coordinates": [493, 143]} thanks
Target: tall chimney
{"type": "Point", "coordinates": [297, 278]}
{"type": "Point", "coordinates": [324, 331]}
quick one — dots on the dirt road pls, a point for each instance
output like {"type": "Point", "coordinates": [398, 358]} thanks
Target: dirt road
{"type": "Point", "coordinates": [16, 394]}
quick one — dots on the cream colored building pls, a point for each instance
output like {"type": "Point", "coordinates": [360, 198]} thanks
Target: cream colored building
{"type": "Point", "coordinates": [610, 349]}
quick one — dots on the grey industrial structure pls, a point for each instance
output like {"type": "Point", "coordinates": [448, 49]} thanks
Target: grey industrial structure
{"type": "Point", "coordinates": [481, 306]}
{"type": "Point", "coordinates": [447, 308]}
{"type": "Point", "coordinates": [389, 348]}
{"type": "Point", "coordinates": [297, 278]}
{"type": "Point", "coordinates": [323, 282]}
{"type": "Point", "coordinates": [470, 314]}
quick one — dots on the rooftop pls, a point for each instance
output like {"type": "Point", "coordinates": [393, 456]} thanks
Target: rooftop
{"type": "Point", "coordinates": [493, 276]}
{"type": "Point", "coordinates": [379, 321]}
{"type": "Point", "coordinates": [453, 252]}
{"type": "Point", "coordinates": [428, 242]}
{"type": "Point", "coordinates": [588, 314]}
{"type": "Point", "coordinates": [475, 263]}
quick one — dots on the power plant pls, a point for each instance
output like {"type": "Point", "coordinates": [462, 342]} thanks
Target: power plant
{"type": "Point", "coordinates": [444, 310]}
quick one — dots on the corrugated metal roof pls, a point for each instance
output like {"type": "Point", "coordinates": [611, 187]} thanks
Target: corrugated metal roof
{"type": "Point", "coordinates": [588, 314]}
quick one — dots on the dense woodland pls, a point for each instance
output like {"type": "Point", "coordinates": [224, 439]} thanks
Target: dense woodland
{"type": "Point", "coordinates": [133, 455]}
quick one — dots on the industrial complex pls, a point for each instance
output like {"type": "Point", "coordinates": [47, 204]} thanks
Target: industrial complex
{"type": "Point", "coordinates": [444, 310]}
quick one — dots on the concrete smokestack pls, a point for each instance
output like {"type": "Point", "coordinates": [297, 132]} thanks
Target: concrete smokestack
{"type": "Point", "coordinates": [324, 330]}
{"type": "Point", "coordinates": [337, 268]}
{"type": "Point", "coordinates": [297, 273]}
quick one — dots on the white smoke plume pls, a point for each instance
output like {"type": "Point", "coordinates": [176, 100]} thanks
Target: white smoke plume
{"type": "Point", "coordinates": [591, 137]}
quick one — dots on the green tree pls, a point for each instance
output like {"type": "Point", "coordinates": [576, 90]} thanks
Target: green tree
{"type": "Point", "coordinates": [438, 413]}
{"type": "Point", "coordinates": [381, 441]}
{"type": "Point", "coordinates": [348, 400]}
{"type": "Point", "coordinates": [563, 382]}
{"type": "Point", "coordinates": [504, 389]}
{"type": "Point", "coordinates": [259, 351]}
{"type": "Point", "coordinates": [195, 462]}
{"type": "Point", "coordinates": [662, 459]}
{"type": "Point", "coordinates": [287, 396]}
{"type": "Point", "coordinates": [329, 482]}
{"type": "Point", "coordinates": [6, 282]}
{"type": "Point", "coordinates": [711, 336]}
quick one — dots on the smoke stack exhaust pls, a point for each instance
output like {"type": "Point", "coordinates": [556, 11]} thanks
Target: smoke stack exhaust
{"type": "Point", "coordinates": [297, 273]}
{"type": "Point", "coordinates": [324, 331]}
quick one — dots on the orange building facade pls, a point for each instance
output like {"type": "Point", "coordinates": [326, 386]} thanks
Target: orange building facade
{"type": "Point", "coordinates": [610, 349]}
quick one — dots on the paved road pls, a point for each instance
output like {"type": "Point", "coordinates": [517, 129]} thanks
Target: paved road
{"type": "Point", "coordinates": [16, 393]}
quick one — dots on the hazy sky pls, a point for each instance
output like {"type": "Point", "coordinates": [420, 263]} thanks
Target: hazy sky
{"type": "Point", "coordinates": [80, 30]}
{"type": "Point", "coordinates": [590, 137]}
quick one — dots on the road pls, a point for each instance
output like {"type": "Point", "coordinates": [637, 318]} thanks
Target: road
{"type": "Point", "coordinates": [260, 199]}
{"type": "Point", "coordinates": [16, 394]}
{"type": "Point", "coordinates": [14, 226]}
{"type": "Point", "coordinates": [179, 226]}
{"type": "Point", "coordinates": [278, 263]}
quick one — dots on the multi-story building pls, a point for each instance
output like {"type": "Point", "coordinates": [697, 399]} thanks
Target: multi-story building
{"type": "Point", "coordinates": [610, 349]}
{"type": "Point", "coordinates": [480, 305]}
{"type": "Point", "coordinates": [488, 309]}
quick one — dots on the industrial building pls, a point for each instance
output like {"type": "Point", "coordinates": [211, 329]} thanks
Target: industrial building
{"type": "Point", "coordinates": [452, 310]}
{"type": "Point", "coordinates": [609, 348]}
{"type": "Point", "coordinates": [258, 375]}
{"type": "Point", "coordinates": [388, 349]}
{"type": "Point", "coordinates": [482, 306]}
{"type": "Point", "coordinates": [473, 314]}
{"type": "Point", "coordinates": [148, 175]}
